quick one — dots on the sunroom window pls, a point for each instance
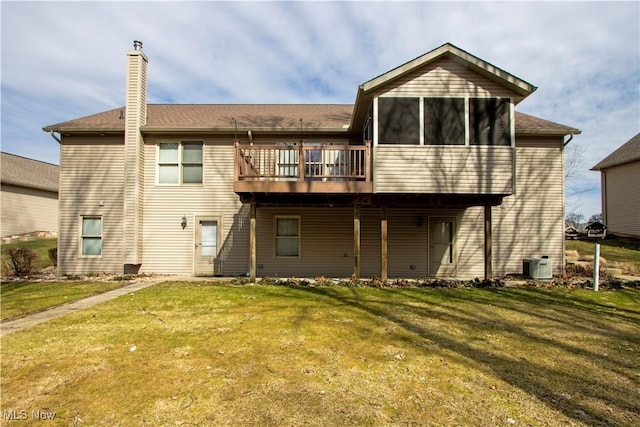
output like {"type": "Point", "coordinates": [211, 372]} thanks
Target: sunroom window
{"type": "Point", "coordinates": [489, 121]}
{"type": "Point", "coordinates": [444, 121]}
{"type": "Point", "coordinates": [180, 163]}
{"type": "Point", "coordinates": [399, 120]}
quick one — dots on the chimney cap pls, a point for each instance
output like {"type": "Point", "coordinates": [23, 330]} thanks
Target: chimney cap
{"type": "Point", "coordinates": [137, 45]}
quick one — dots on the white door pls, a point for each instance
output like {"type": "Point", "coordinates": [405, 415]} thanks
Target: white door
{"type": "Point", "coordinates": [442, 249]}
{"type": "Point", "coordinates": [206, 247]}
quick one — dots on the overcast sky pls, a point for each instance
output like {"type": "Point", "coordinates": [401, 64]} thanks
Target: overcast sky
{"type": "Point", "coordinates": [63, 60]}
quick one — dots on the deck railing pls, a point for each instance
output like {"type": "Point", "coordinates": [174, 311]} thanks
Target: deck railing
{"type": "Point", "coordinates": [300, 162]}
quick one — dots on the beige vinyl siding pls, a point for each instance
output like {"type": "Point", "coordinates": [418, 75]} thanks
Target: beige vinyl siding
{"type": "Point", "coordinates": [326, 246]}
{"type": "Point", "coordinates": [28, 209]}
{"type": "Point", "coordinates": [530, 223]}
{"type": "Point", "coordinates": [622, 195]}
{"type": "Point", "coordinates": [443, 169]}
{"type": "Point", "coordinates": [445, 77]}
{"type": "Point", "coordinates": [135, 116]}
{"type": "Point", "coordinates": [91, 171]}
{"type": "Point", "coordinates": [167, 247]}
{"type": "Point", "coordinates": [470, 243]}
{"type": "Point", "coordinates": [408, 243]}
{"type": "Point", "coordinates": [326, 243]}
{"type": "Point", "coordinates": [369, 241]}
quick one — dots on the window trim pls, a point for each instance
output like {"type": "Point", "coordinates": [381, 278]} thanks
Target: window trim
{"type": "Point", "coordinates": [276, 237]}
{"type": "Point", "coordinates": [81, 235]}
{"type": "Point", "coordinates": [181, 163]}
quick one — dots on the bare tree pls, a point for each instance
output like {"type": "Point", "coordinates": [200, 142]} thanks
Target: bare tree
{"type": "Point", "coordinates": [573, 163]}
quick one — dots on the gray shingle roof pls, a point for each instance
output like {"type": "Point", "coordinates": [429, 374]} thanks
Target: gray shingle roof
{"type": "Point", "coordinates": [626, 153]}
{"type": "Point", "coordinates": [211, 117]}
{"type": "Point", "coordinates": [17, 170]}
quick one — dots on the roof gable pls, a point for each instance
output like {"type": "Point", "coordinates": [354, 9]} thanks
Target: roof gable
{"type": "Point", "coordinates": [518, 87]}
{"type": "Point", "coordinates": [626, 153]}
{"type": "Point", "coordinates": [448, 50]}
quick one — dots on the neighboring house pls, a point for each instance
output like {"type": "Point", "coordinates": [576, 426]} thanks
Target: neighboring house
{"type": "Point", "coordinates": [620, 183]}
{"type": "Point", "coordinates": [430, 173]}
{"type": "Point", "coordinates": [29, 197]}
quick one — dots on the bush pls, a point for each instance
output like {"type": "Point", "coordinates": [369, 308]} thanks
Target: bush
{"type": "Point", "coordinates": [53, 256]}
{"type": "Point", "coordinates": [21, 260]}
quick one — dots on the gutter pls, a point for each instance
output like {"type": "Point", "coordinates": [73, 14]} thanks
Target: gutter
{"type": "Point", "coordinates": [53, 135]}
{"type": "Point", "coordinates": [568, 140]}
{"type": "Point", "coordinates": [253, 130]}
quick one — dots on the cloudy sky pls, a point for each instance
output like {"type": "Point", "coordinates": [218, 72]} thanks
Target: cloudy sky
{"type": "Point", "coordinates": [63, 60]}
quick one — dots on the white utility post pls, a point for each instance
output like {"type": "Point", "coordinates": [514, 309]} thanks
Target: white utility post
{"type": "Point", "coordinates": [597, 231]}
{"type": "Point", "coordinates": [596, 266]}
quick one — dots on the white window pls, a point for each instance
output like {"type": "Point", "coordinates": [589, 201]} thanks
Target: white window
{"type": "Point", "coordinates": [91, 236]}
{"type": "Point", "coordinates": [287, 236]}
{"type": "Point", "coordinates": [180, 163]}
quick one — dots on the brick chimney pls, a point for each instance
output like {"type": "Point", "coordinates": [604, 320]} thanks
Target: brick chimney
{"type": "Point", "coordinates": [135, 117]}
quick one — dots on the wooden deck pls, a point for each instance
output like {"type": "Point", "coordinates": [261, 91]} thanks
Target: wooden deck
{"type": "Point", "coordinates": [300, 168]}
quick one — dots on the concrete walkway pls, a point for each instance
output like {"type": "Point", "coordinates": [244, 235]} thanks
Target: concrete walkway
{"type": "Point", "coordinates": [52, 313]}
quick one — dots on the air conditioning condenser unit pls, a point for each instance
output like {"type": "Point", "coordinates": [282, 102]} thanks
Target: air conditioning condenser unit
{"type": "Point", "coordinates": [537, 268]}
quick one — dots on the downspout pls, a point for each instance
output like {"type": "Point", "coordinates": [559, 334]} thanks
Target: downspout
{"type": "Point", "coordinates": [53, 135]}
{"type": "Point", "coordinates": [564, 206]}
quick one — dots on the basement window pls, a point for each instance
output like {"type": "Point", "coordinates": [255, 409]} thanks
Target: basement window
{"type": "Point", "coordinates": [287, 236]}
{"type": "Point", "coordinates": [91, 236]}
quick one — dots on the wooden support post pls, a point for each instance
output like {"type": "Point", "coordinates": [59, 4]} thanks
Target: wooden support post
{"type": "Point", "coordinates": [356, 242]}
{"type": "Point", "coordinates": [384, 260]}
{"type": "Point", "coordinates": [488, 271]}
{"type": "Point", "coordinates": [252, 243]}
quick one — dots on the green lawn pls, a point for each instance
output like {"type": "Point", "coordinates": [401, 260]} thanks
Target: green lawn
{"type": "Point", "coordinates": [21, 298]}
{"type": "Point", "coordinates": [202, 353]}
{"type": "Point", "coordinates": [614, 250]}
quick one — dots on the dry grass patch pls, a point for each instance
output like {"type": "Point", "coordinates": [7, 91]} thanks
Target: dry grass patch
{"type": "Point", "coordinates": [208, 354]}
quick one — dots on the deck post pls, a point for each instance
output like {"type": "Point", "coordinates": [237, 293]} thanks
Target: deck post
{"type": "Point", "coordinates": [356, 241]}
{"type": "Point", "coordinates": [384, 260]}
{"type": "Point", "coordinates": [236, 158]}
{"type": "Point", "coordinates": [252, 243]}
{"type": "Point", "coordinates": [488, 272]}
{"type": "Point", "coordinates": [367, 161]}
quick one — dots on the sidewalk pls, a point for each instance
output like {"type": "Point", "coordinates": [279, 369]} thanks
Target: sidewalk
{"type": "Point", "coordinates": [52, 313]}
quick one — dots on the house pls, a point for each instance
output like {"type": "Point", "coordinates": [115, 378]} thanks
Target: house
{"type": "Point", "coordinates": [29, 196]}
{"type": "Point", "coordinates": [430, 173]}
{"type": "Point", "coordinates": [620, 183]}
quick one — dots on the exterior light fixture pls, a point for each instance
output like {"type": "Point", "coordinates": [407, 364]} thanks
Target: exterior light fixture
{"type": "Point", "coordinates": [184, 222]}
